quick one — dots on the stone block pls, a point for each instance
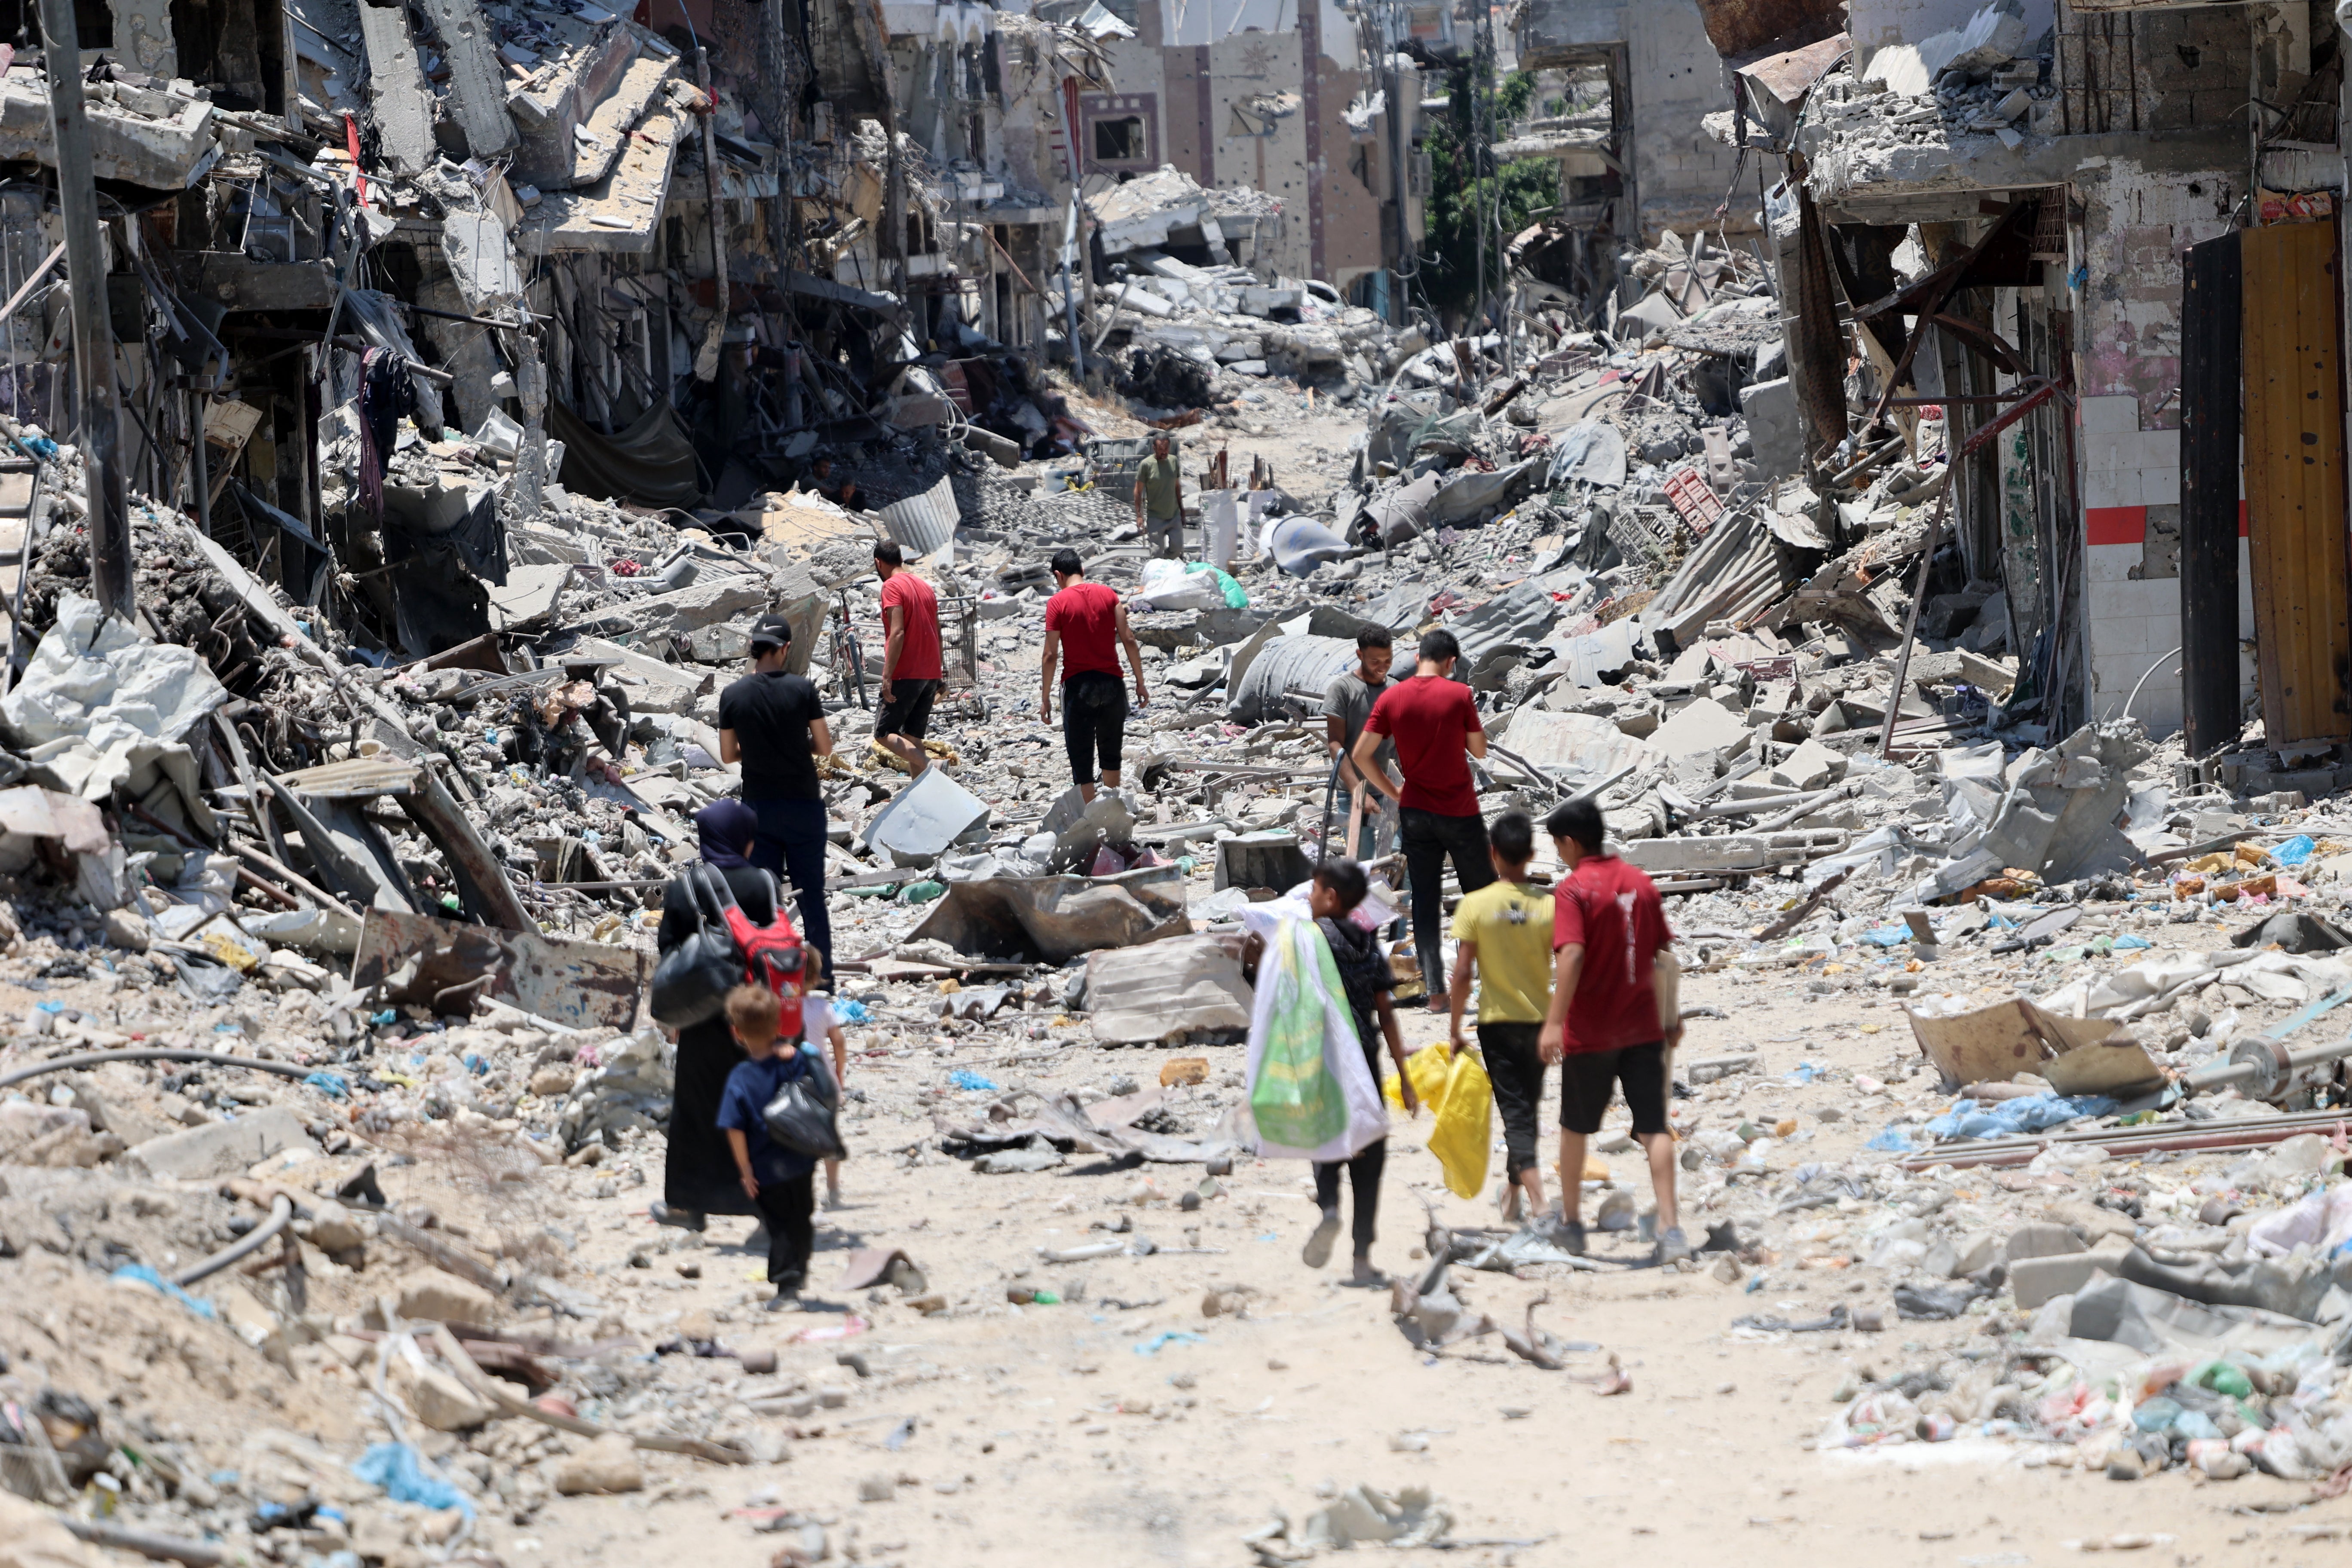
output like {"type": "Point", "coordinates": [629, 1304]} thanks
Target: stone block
{"type": "Point", "coordinates": [443, 1298]}
{"type": "Point", "coordinates": [2041, 1240]}
{"type": "Point", "coordinates": [700, 604]}
{"type": "Point", "coordinates": [439, 1400]}
{"type": "Point", "coordinates": [332, 1227]}
{"type": "Point", "coordinates": [223, 1148]}
{"type": "Point", "coordinates": [1773, 426]}
{"type": "Point", "coordinates": [1810, 766]}
{"type": "Point", "coordinates": [2034, 1280]}
{"type": "Point", "coordinates": [1952, 1255]}
{"type": "Point", "coordinates": [607, 1465]}
{"type": "Point", "coordinates": [2092, 1223]}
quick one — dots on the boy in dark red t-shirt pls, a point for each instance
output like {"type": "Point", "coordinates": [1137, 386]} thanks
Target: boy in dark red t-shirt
{"type": "Point", "coordinates": [1608, 928]}
{"type": "Point", "coordinates": [911, 672]}
{"type": "Point", "coordinates": [1086, 622]}
{"type": "Point", "coordinates": [1434, 722]}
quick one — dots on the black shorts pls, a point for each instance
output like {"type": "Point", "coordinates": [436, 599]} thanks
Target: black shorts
{"type": "Point", "coordinates": [1586, 1078]}
{"type": "Point", "coordinates": [909, 712]}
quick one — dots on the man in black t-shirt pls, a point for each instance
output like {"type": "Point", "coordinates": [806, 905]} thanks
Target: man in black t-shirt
{"type": "Point", "coordinates": [774, 724]}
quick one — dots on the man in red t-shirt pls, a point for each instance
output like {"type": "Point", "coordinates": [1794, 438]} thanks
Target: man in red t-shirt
{"type": "Point", "coordinates": [910, 657]}
{"type": "Point", "coordinates": [1433, 720]}
{"type": "Point", "coordinates": [1089, 621]}
{"type": "Point", "coordinates": [1608, 929]}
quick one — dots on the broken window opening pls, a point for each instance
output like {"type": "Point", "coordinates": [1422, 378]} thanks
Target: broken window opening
{"type": "Point", "coordinates": [237, 46]}
{"type": "Point", "coordinates": [1120, 141]}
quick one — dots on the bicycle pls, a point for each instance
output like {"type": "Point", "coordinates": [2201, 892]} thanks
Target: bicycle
{"type": "Point", "coordinates": [848, 657]}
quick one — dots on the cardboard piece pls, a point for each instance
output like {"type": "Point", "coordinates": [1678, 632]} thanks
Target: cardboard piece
{"type": "Point", "coordinates": [1993, 1045]}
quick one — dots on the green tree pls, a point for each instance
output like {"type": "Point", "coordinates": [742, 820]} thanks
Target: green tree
{"type": "Point", "coordinates": [1466, 180]}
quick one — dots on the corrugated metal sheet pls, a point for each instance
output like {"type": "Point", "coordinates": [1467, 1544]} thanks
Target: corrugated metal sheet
{"type": "Point", "coordinates": [1304, 665]}
{"type": "Point", "coordinates": [925, 523]}
{"type": "Point", "coordinates": [2294, 481]}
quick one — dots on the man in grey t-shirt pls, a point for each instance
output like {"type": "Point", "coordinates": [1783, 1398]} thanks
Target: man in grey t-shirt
{"type": "Point", "coordinates": [1347, 703]}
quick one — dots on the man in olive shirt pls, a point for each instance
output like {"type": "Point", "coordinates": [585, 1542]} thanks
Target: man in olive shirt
{"type": "Point", "coordinates": [1159, 502]}
{"type": "Point", "coordinates": [1347, 703]}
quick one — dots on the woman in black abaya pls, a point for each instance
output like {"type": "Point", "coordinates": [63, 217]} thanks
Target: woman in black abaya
{"type": "Point", "coordinates": [699, 1177]}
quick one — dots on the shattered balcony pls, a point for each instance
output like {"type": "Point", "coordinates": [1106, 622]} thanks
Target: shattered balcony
{"type": "Point", "coordinates": [1981, 107]}
{"type": "Point", "coordinates": [149, 135]}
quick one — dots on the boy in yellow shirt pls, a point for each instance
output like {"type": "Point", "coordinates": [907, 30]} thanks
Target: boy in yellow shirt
{"type": "Point", "coordinates": [1503, 936]}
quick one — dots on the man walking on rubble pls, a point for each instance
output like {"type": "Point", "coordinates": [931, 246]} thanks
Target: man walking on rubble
{"type": "Point", "coordinates": [1608, 927]}
{"type": "Point", "coordinates": [1159, 502]}
{"type": "Point", "coordinates": [1089, 621]}
{"type": "Point", "coordinates": [773, 723]}
{"type": "Point", "coordinates": [1347, 704]}
{"type": "Point", "coordinates": [1433, 722]}
{"type": "Point", "coordinates": [910, 659]}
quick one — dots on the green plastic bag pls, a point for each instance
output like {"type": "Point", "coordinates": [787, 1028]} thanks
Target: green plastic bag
{"type": "Point", "coordinates": [1296, 1100]}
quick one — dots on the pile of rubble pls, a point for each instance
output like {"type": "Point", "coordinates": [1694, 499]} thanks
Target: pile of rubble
{"type": "Point", "coordinates": [330, 1113]}
{"type": "Point", "coordinates": [1193, 334]}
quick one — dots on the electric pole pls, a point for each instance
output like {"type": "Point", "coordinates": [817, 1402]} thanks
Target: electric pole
{"type": "Point", "coordinates": [99, 435]}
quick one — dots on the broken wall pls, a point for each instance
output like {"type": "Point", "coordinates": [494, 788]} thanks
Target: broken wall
{"type": "Point", "coordinates": [1874, 23]}
{"type": "Point", "coordinates": [2134, 225]}
{"type": "Point", "coordinates": [1679, 173]}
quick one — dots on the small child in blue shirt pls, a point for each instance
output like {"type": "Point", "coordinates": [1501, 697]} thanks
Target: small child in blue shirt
{"type": "Point", "coordinates": [780, 1184]}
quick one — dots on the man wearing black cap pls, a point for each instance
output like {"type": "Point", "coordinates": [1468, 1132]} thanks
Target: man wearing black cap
{"type": "Point", "coordinates": [774, 724]}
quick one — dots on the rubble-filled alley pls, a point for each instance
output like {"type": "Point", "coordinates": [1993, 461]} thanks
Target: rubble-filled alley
{"type": "Point", "coordinates": [722, 722]}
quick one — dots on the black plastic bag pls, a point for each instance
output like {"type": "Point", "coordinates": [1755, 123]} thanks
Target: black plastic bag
{"type": "Point", "coordinates": [801, 1117]}
{"type": "Point", "coordinates": [691, 980]}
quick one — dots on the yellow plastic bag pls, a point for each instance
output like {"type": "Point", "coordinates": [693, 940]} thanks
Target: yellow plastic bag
{"type": "Point", "coordinates": [1460, 1097]}
{"type": "Point", "coordinates": [1428, 1066]}
{"type": "Point", "coordinates": [1462, 1135]}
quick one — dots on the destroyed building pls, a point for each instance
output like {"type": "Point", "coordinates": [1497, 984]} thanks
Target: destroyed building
{"type": "Point", "coordinates": [2044, 225]}
{"type": "Point", "coordinates": [1643, 159]}
{"type": "Point", "coordinates": [1317, 107]}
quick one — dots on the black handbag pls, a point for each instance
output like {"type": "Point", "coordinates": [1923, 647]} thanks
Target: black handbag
{"type": "Point", "coordinates": [691, 980]}
{"type": "Point", "coordinates": [801, 1117]}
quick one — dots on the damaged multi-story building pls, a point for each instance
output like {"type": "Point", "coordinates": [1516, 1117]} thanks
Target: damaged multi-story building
{"type": "Point", "coordinates": [1318, 107]}
{"type": "Point", "coordinates": [2099, 242]}
{"type": "Point", "coordinates": [659, 256]}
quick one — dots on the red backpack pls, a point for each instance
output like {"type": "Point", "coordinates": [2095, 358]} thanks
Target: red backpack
{"type": "Point", "coordinates": [773, 956]}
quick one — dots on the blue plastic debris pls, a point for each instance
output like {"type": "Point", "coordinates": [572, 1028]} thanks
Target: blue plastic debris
{"type": "Point", "coordinates": [2294, 851]}
{"type": "Point", "coordinates": [2127, 941]}
{"type": "Point", "coordinates": [50, 1007]}
{"type": "Point", "coordinates": [140, 1274]}
{"type": "Point", "coordinates": [1170, 1337]}
{"type": "Point", "coordinates": [389, 1015]}
{"type": "Point", "coordinates": [399, 1470]}
{"type": "Point", "coordinates": [1892, 1139]}
{"type": "Point", "coordinates": [2009, 1118]}
{"type": "Point", "coordinates": [1887, 936]}
{"type": "Point", "coordinates": [853, 1012]}
{"type": "Point", "coordinates": [964, 1078]}
{"type": "Point", "coordinates": [1803, 1072]}
{"type": "Point", "coordinates": [329, 1085]}
{"type": "Point", "coordinates": [475, 1064]}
